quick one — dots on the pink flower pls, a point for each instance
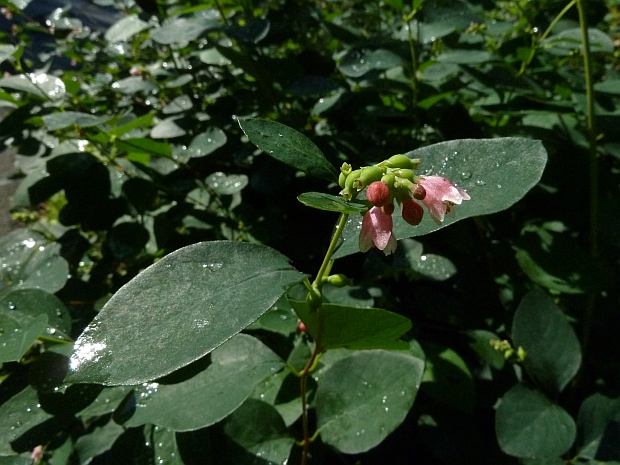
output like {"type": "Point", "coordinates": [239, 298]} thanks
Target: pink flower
{"type": "Point", "coordinates": [37, 453]}
{"type": "Point", "coordinates": [377, 231]}
{"type": "Point", "coordinates": [441, 196]}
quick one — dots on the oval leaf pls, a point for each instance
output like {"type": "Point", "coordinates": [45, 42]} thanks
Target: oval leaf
{"type": "Point", "coordinates": [288, 146]}
{"type": "Point", "coordinates": [552, 348]}
{"type": "Point", "coordinates": [125, 28]}
{"type": "Point", "coordinates": [236, 369]}
{"type": "Point", "coordinates": [259, 429]}
{"type": "Point", "coordinates": [330, 203]}
{"type": "Point", "coordinates": [496, 173]}
{"type": "Point", "coordinates": [529, 425]}
{"type": "Point", "coordinates": [180, 309]}
{"type": "Point", "coordinates": [354, 327]}
{"type": "Point", "coordinates": [362, 398]}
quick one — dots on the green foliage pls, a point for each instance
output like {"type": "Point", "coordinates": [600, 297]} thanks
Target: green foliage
{"type": "Point", "coordinates": [155, 305]}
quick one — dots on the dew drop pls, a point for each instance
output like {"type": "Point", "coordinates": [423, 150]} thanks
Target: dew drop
{"type": "Point", "coordinates": [499, 186]}
{"type": "Point", "coordinates": [465, 174]}
{"type": "Point", "coordinates": [480, 183]}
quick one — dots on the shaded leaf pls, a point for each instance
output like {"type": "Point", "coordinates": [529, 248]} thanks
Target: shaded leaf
{"type": "Point", "coordinates": [288, 146]}
{"type": "Point", "coordinates": [353, 327]}
{"type": "Point", "coordinates": [553, 351]}
{"type": "Point", "coordinates": [363, 397]}
{"type": "Point", "coordinates": [236, 369]}
{"type": "Point", "coordinates": [259, 429]}
{"type": "Point", "coordinates": [529, 425]}
{"type": "Point", "coordinates": [330, 203]}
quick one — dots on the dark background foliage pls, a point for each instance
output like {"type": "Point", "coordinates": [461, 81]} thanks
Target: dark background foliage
{"type": "Point", "coordinates": [128, 148]}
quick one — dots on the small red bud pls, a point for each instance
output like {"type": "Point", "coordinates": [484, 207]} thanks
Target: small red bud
{"type": "Point", "coordinates": [378, 194]}
{"type": "Point", "coordinates": [412, 212]}
{"type": "Point", "coordinates": [301, 326]}
{"type": "Point", "coordinates": [388, 209]}
{"type": "Point", "coordinates": [419, 192]}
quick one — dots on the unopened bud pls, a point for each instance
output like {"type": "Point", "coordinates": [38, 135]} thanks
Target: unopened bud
{"type": "Point", "coordinates": [349, 191]}
{"type": "Point", "coordinates": [314, 299]}
{"type": "Point", "coordinates": [405, 174]}
{"type": "Point", "coordinates": [301, 326]}
{"type": "Point", "coordinates": [419, 192]}
{"type": "Point", "coordinates": [378, 194]}
{"type": "Point", "coordinates": [342, 179]}
{"type": "Point", "coordinates": [412, 212]}
{"type": "Point", "coordinates": [346, 168]}
{"type": "Point", "coordinates": [399, 161]}
{"type": "Point", "coordinates": [368, 175]}
{"type": "Point", "coordinates": [388, 209]}
{"type": "Point", "coordinates": [339, 280]}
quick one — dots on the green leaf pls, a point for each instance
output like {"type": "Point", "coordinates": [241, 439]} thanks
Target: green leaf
{"type": "Point", "coordinates": [447, 378]}
{"type": "Point", "coordinates": [18, 332]}
{"type": "Point", "coordinates": [226, 185]}
{"type": "Point", "coordinates": [357, 62]}
{"type": "Point", "coordinates": [20, 413]}
{"type": "Point", "coordinates": [178, 105]}
{"type": "Point", "coordinates": [481, 345]}
{"type": "Point", "coordinates": [143, 145]}
{"type": "Point", "coordinates": [42, 85]}
{"type": "Point", "coordinates": [181, 30]}
{"type": "Point", "coordinates": [330, 203]}
{"type": "Point", "coordinates": [259, 429]}
{"type": "Point", "coordinates": [29, 260]}
{"type": "Point", "coordinates": [134, 84]}
{"type": "Point", "coordinates": [529, 425]}
{"type": "Point", "coordinates": [7, 51]}
{"type": "Point", "coordinates": [553, 351]}
{"type": "Point", "coordinates": [125, 28]}
{"type": "Point", "coordinates": [106, 402]}
{"type": "Point", "coordinates": [288, 146]}
{"type": "Point", "coordinates": [496, 173]}
{"type": "Point", "coordinates": [168, 128]}
{"type": "Point", "coordinates": [35, 302]}
{"type": "Point", "coordinates": [610, 86]}
{"type": "Point", "coordinates": [65, 119]}
{"type": "Point", "coordinates": [206, 143]}
{"type": "Point", "coordinates": [465, 57]}
{"type": "Point", "coordinates": [236, 369]}
{"type": "Point", "coordinates": [362, 398]}
{"type": "Point", "coordinates": [540, 276]}
{"type": "Point", "coordinates": [598, 421]}
{"type": "Point", "coordinates": [98, 441]}
{"type": "Point", "coordinates": [183, 307]}
{"type": "Point", "coordinates": [166, 451]}
{"type": "Point", "coordinates": [570, 39]}
{"type": "Point", "coordinates": [353, 327]}
{"type": "Point", "coordinates": [280, 318]}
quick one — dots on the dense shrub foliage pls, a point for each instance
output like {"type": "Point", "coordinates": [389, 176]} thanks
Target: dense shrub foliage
{"type": "Point", "coordinates": [172, 299]}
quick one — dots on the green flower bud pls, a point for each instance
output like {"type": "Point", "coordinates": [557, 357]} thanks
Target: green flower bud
{"type": "Point", "coordinates": [400, 161]}
{"type": "Point", "coordinates": [342, 178]}
{"type": "Point", "coordinates": [339, 280]}
{"type": "Point", "coordinates": [405, 174]}
{"type": "Point", "coordinates": [368, 175]}
{"type": "Point", "coordinates": [314, 299]}
{"type": "Point", "coordinates": [348, 191]}
{"type": "Point", "coordinates": [346, 169]}
{"type": "Point", "coordinates": [388, 178]}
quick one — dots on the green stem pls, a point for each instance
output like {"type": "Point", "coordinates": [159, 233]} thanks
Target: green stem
{"type": "Point", "coordinates": [527, 62]}
{"type": "Point", "coordinates": [593, 157]}
{"type": "Point", "coordinates": [414, 68]}
{"type": "Point", "coordinates": [326, 267]}
{"type": "Point", "coordinates": [330, 251]}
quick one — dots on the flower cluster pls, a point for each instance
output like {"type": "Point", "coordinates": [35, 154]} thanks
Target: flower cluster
{"type": "Point", "coordinates": [395, 180]}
